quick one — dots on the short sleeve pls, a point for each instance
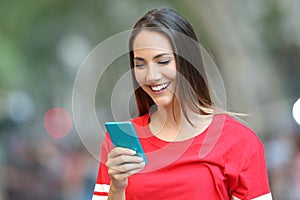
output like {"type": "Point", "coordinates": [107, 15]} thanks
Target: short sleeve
{"type": "Point", "coordinates": [103, 180]}
{"type": "Point", "coordinates": [252, 179]}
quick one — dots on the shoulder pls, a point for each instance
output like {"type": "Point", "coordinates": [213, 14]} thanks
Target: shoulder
{"type": "Point", "coordinates": [239, 130]}
{"type": "Point", "coordinates": [238, 135]}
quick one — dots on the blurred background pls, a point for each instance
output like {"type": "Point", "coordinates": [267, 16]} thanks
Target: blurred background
{"type": "Point", "coordinates": [256, 45]}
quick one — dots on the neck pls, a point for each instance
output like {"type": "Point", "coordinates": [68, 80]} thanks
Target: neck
{"type": "Point", "coordinates": [164, 125]}
{"type": "Point", "coordinates": [168, 115]}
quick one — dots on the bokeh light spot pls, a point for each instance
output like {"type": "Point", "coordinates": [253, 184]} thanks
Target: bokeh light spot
{"type": "Point", "coordinates": [296, 111]}
{"type": "Point", "coordinates": [57, 122]}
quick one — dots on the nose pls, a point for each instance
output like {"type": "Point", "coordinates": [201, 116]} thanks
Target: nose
{"type": "Point", "coordinates": [153, 73]}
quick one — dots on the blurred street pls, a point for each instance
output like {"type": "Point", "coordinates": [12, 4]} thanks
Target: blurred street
{"type": "Point", "coordinates": [255, 45]}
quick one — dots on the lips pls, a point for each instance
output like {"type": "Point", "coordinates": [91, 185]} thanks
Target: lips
{"type": "Point", "coordinates": [160, 87]}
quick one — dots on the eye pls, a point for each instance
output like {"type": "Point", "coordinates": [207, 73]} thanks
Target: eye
{"type": "Point", "coordinates": [140, 65]}
{"type": "Point", "coordinates": [164, 62]}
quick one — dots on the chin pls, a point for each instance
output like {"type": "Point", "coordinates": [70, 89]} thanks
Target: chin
{"type": "Point", "coordinates": [164, 103]}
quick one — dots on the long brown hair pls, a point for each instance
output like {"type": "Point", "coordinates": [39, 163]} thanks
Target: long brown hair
{"type": "Point", "coordinates": [192, 88]}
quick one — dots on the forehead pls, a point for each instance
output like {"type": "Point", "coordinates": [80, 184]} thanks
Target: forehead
{"type": "Point", "coordinates": [151, 40]}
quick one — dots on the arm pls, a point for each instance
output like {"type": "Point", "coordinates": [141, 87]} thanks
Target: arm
{"type": "Point", "coordinates": [116, 194]}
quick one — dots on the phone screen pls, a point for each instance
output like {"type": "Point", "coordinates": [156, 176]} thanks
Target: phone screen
{"type": "Point", "coordinates": [124, 135]}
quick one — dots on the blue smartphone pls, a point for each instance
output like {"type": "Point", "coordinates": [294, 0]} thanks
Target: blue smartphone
{"type": "Point", "coordinates": [124, 135]}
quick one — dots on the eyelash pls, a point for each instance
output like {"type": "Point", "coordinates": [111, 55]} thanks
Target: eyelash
{"type": "Point", "coordinates": [140, 65]}
{"type": "Point", "coordinates": [165, 62]}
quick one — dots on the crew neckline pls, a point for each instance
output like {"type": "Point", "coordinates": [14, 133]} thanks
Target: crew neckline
{"type": "Point", "coordinates": [177, 144]}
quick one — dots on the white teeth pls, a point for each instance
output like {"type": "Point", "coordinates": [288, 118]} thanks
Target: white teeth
{"type": "Point", "coordinates": [159, 87]}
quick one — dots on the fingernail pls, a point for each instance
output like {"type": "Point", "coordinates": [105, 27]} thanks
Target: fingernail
{"type": "Point", "coordinates": [141, 159]}
{"type": "Point", "coordinates": [132, 151]}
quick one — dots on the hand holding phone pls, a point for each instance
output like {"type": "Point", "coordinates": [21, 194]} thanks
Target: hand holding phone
{"type": "Point", "coordinates": [124, 135]}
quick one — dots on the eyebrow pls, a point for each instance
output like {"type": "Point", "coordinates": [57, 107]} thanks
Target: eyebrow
{"type": "Point", "coordinates": [155, 57]}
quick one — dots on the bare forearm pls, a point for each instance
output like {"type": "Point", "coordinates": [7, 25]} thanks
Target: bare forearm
{"type": "Point", "coordinates": [116, 194]}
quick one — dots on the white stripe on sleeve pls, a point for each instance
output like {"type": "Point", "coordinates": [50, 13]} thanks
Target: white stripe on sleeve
{"type": "Point", "coordinates": [263, 197]}
{"type": "Point", "coordinates": [96, 197]}
{"type": "Point", "coordinates": [101, 188]}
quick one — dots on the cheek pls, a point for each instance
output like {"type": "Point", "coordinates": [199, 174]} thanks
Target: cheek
{"type": "Point", "coordinates": [139, 76]}
{"type": "Point", "coordinates": [170, 72]}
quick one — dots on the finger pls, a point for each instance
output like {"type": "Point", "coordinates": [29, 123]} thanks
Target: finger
{"type": "Point", "coordinates": [121, 151]}
{"type": "Point", "coordinates": [126, 168]}
{"type": "Point", "coordinates": [120, 176]}
{"type": "Point", "coordinates": [123, 176]}
{"type": "Point", "coordinates": [123, 159]}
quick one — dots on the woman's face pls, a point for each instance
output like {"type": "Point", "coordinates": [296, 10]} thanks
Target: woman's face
{"type": "Point", "coordinates": [155, 66]}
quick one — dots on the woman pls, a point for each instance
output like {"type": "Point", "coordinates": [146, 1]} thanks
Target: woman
{"type": "Point", "coordinates": [192, 152]}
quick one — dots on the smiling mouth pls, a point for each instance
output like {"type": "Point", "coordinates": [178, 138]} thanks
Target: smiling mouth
{"type": "Point", "coordinates": [159, 88]}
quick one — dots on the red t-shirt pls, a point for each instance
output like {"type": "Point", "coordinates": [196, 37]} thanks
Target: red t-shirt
{"type": "Point", "coordinates": [226, 161]}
